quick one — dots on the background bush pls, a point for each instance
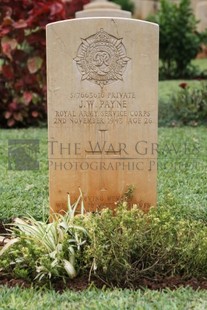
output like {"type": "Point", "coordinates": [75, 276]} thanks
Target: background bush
{"type": "Point", "coordinates": [186, 106]}
{"type": "Point", "coordinates": [126, 5]}
{"type": "Point", "coordinates": [23, 59]}
{"type": "Point", "coordinates": [179, 40]}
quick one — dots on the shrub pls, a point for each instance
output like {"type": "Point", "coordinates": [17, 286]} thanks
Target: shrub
{"type": "Point", "coordinates": [179, 40]}
{"type": "Point", "coordinates": [189, 105]}
{"type": "Point", "coordinates": [133, 244]}
{"type": "Point", "coordinates": [22, 57]}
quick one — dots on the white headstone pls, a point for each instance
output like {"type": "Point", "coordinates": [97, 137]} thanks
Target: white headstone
{"type": "Point", "coordinates": [201, 16]}
{"type": "Point", "coordinates": [102, 109]}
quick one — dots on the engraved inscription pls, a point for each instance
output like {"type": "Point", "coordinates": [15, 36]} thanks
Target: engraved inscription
{"type": "Point", "coordinates": [103, 108]}
{"type": "Point", "coordinates": [102, 117]}
{"type": "Point", "coordinates": [101, 58]}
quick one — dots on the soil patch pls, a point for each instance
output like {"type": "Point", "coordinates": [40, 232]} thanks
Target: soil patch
{"type": "Point", "coordinates": [2, 229]}
{"type": "Point", "coordinates": [81, 283]}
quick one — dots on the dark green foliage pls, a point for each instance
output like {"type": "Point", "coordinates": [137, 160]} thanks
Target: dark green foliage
{"type": "Point", "coordinates": [179, 40]}
{"type": "Point", "coordinates": [126, 5]}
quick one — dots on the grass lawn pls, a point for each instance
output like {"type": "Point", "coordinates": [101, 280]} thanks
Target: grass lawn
{"type": "Point", "coordinates": [182, 181]}
{"type": "Point", "coordinates": [180, 299]}
{"type": "Point", "coordinates": [23, 192]}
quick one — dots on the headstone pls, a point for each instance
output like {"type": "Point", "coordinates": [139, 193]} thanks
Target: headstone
{"type": "Point", "coordinates": [145, 8]}
{"type": "Point", "coordinates": [102, 108]}
{"type": "Point", "coordinates": [201, 16]}
{"type": "Point", "coordinates": [194, 4]}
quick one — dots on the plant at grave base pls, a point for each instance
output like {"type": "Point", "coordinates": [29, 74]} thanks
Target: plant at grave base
{"type": "Point", "coordinates": [72, 208]}
{"type": "Point", "coordinates": [133, 244]}
{"type": "Point", "coordinates": [44, 251]}
{"type": "Point", "coordinates": [189, 105]}
{"type": "Point", "coordinates": [23, 59]}
{"type": "Point", "coordinates": [127, 195]}
{"type": "Point", "coordinates": [117, 247]}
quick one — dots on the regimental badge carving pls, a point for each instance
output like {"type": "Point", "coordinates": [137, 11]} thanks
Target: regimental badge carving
{"type": "Point", "coordinates": [101, 58]}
